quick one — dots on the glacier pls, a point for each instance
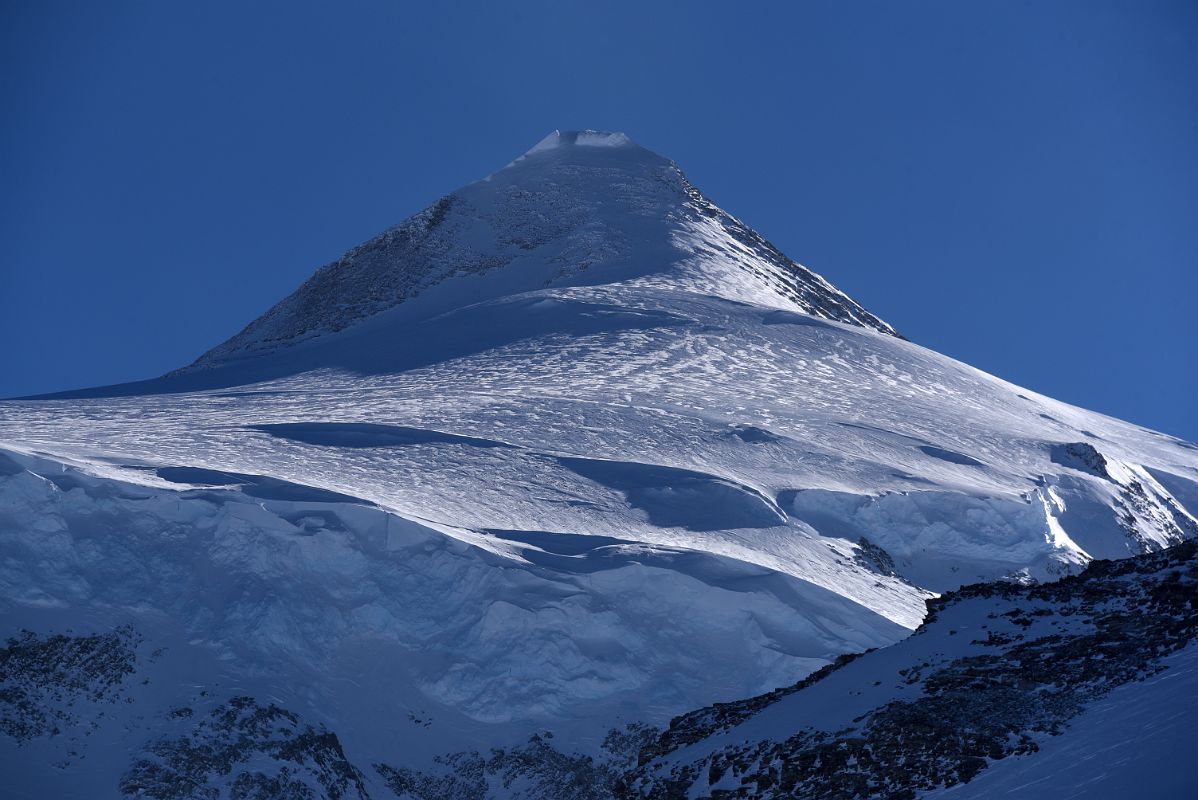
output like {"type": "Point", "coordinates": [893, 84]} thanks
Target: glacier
{"type": "Point", "coordinates": [569, 450]}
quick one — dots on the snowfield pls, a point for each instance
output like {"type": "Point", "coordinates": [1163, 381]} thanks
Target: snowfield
{"type": "Point", "coordinates": [571, 449]}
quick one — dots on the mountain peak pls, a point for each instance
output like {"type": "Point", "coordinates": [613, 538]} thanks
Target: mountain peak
{"type": "Point", "coordinates": [583, 138]}
{"type": "Point", "coordinates": [582, 208]}
{"type": "Point", "coordinates": [589, 144]}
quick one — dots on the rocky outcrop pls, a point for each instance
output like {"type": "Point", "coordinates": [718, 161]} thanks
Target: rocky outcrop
{"type": "Point", "coordinates": [244, 750]}
{"type": "Point", "coordinates": [45, 679]}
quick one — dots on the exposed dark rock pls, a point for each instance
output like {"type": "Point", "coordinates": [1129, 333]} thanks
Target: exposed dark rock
{"type": "Point", "coordinates": [246, 751]}
{"type": "Point", "coordinates": [533, 771]}
{"type": "Point", "coordinates": [44, 678]}
{"type": "Point", "coordinates": [874, 558]}
{"type": "Point", "coordinates": [1081, 456]}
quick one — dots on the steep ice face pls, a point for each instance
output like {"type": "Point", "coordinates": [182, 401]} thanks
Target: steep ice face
{"type": "Point", "coordinates": [581, 208]}
{"type": "Point", "coordinates": [499, 624]}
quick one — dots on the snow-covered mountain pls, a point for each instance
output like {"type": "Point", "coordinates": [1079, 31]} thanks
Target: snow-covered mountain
{"type": "Point", "coordinates": [571, 450]}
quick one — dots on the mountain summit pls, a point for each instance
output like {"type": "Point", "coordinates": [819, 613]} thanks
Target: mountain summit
{"type": "Point", "coordinates": [581, 208]}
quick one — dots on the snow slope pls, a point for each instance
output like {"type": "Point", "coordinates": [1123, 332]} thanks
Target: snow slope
{"type": "Point", "coordinates": [571, 449]}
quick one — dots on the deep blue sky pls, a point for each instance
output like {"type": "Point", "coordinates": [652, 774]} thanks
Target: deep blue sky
{"type": "Point", "coordinates": [1013, 184]}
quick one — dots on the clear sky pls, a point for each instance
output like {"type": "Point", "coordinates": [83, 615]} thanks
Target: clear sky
{"type": "Point", "coordinates": [1014, 184]}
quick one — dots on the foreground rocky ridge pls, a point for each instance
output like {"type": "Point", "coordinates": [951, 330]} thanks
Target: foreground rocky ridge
{"type": "Point", "coordinates": [995, 670]}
